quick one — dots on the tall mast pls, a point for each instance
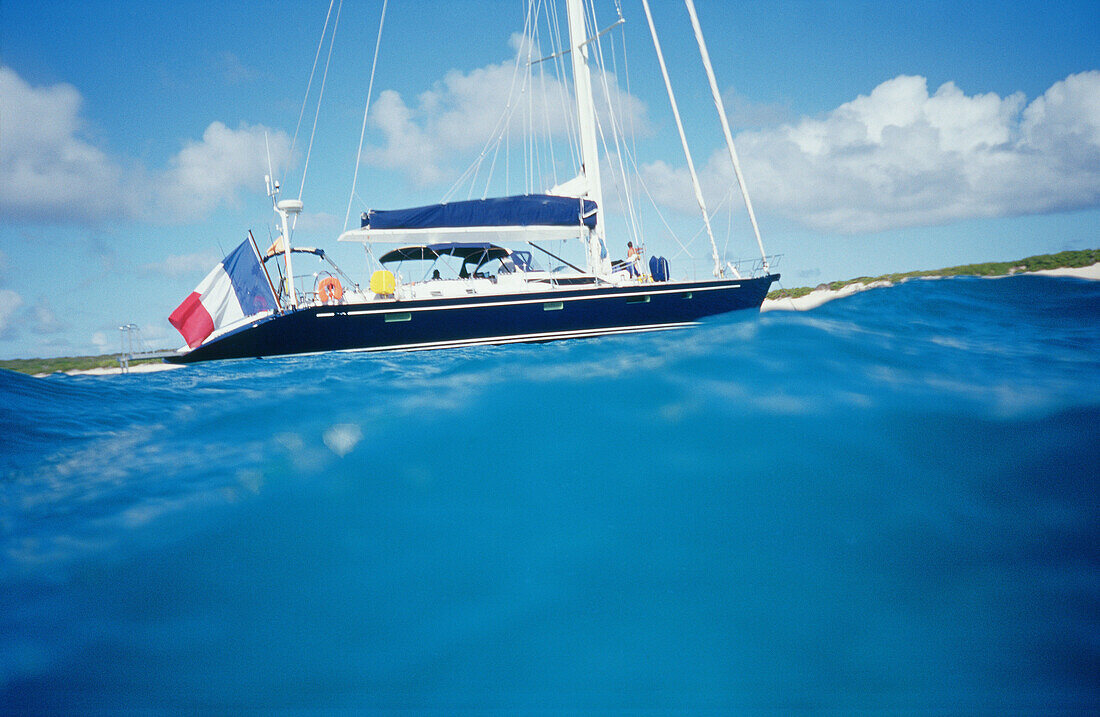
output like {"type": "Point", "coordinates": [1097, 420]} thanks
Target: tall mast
{"type": "Point", "coordinates": [725, 126]}
{"type": "Point", "coordinates": [684, 143]}
{"type": "Point", "coordinates": [586, 119]}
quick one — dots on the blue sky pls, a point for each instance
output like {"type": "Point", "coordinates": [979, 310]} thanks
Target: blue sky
{"type": "Point", "coordinates": [875, 137]}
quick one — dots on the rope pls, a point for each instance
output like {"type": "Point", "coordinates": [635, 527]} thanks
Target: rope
{"type": "Point", "coordinates": [572, 129]}
{"type": "Point", "coordinates": [363, 130]}
{"type": "Point", "coordinates": [616, 131]}
{"type": "Point", "coordinates": [725, 125]}
{"type": "Point", "coordinates": [683, 139]}
{"type": "Point", "coordinates": [494, 138]}
{"type": "Point", "coordinates": [312, 72]}
{"type": "Point", "coordinates": [324, 79]}
{"type": "Point", "coordinates": [657, 209]}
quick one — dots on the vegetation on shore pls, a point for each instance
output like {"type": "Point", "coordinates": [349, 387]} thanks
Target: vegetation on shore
{"type": "Point", "coordinates": [1065, 259]}
{"type": "Point", "coordinates": [1061, 260]}
{"type": "Point", "coordinates": [66, 363]}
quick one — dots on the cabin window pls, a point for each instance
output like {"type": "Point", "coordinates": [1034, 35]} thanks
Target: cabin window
{"type": "Point", "coordinates": [398, 316]}
{"type": "Point", "coordinates": [638, 299]}
{"type": "Point", "coordinates": [553, 306]}
{"type": "Point", "coordinates": [687, 295]}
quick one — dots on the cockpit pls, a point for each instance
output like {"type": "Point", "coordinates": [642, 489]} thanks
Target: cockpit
{"type": "Point", "coordinates": [461, 260]}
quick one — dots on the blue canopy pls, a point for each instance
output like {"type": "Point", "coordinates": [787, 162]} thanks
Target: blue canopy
{"type": "Point", "coordinates": [522, 210]}
{"type": "Point", "coordinates": [469, 252]}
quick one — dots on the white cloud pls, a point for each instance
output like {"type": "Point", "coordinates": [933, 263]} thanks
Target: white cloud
{"type": "Point", "coordinates": [15, 314]}
{"type": "Point", "coordinates": [100, 341]}
{"type": "Point", "coordinates": [322, 222]}
{"type": "Point", "coordinates": [46, 169]}
{"type": "Point", "coordinates": [904, 157]}
{"type": "Point", "coordinates": [177, 265]}
{"type": "Point", "coordinates": [208, 173]}
{"type": "Point", "coordinates": [670, 186]}
{"type": "Point", "coordinates": [49, 171]}
{"type": "Point", "coordinates": [744, 113]}
{"type": "Point", "coordinates": [407, 146]}
{"type": "Point", "coordinates": [10, 302]}
{"type": "Point", "coordinates": [457, 117]}
{"type": "Point", "coordinates": [157, 334]}
{"type": "Point", "coordinates": [233, 70]}
{"type": "Point", "coordinates": [36, 327]}
{"type": "Point", "coordinates": [44, 321]}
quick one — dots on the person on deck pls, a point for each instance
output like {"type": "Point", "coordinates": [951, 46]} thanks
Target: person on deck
{"type": "Point", "coordinates": [633, 260]}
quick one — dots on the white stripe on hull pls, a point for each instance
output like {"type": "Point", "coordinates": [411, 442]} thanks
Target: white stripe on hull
{"type": "Point", "coordinates": [405, 305]}
{"type": "Point", "coordinates": [522, 338]}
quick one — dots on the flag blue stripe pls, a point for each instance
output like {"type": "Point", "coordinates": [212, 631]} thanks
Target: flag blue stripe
{"type": "Point", "coordinates": [249, 283]}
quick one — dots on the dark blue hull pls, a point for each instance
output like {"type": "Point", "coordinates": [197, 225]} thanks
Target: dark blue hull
{"type": "Point", "coordinates": [485, 319]}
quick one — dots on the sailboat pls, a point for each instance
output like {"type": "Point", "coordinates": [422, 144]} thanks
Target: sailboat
{"type": "Point", "coordinates": [497, 291]}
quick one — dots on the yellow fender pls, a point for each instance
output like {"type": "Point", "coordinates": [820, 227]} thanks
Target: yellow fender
{"type": "Point", "coordinates": [382, 282]}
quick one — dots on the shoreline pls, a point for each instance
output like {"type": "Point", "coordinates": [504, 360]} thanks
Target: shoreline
{"type": "Point", "coordinates": [805, 302]}
{"type": "Point", "coordinates": [820, 296]}
{"type": "Point", "coordinates": [111, 371]}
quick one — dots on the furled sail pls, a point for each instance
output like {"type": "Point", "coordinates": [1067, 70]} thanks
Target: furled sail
{"type": "Point", "coordinates": [536, 216]}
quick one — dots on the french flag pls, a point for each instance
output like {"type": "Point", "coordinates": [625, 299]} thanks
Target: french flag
{"type": "Point", "coordinates": [236, 288]}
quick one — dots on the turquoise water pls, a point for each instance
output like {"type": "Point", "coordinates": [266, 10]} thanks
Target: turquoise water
{"type": "Point", "coordinates": [889, 503]}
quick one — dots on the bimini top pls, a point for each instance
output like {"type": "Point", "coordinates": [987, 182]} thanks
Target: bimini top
{"type": "Point", "coordinates": [469, 252]}
{"type": "Point", "coordinates": [529, 216]}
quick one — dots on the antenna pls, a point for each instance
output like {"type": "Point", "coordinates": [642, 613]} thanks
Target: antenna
{"type": "Point", "coordinates": [272, 189]}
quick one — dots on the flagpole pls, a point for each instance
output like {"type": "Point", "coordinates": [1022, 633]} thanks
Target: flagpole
{"type": "Point", "coordinates": [263, 266]}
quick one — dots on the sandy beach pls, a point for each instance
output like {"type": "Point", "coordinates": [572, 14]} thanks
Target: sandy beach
{"type": "Point", "coordinates": [817, 297]}
{"type": "Point", "coordinates": [103, 371]}
{"type": "Point", "coordinates": [1083, 272]}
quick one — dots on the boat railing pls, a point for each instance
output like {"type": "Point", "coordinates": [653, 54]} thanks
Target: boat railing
{"type": "Point", "coordinates": [689, 269]}
{"type": "Point", "coordinates": [763, 266]}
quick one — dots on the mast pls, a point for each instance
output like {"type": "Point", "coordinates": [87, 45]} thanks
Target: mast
{"type": "Point", "coordinates": [284, 209]}
{"type": "Point", "coordinates": [586, 119]}
{"type": "Point", "coordinates": [725, 126]}
{"type": "Point", "coordinates": [684, 143]}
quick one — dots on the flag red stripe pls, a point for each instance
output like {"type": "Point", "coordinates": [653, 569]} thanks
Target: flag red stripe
{"type": "Point", "coordinates": [192, 320]}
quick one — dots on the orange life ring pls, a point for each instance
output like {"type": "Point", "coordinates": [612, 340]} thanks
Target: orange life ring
{"type": "Point", "coordinates": [329, 289]}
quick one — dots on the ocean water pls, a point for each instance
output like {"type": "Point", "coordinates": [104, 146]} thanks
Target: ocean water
{"type": "Point", "coordinates": [887, 504]}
